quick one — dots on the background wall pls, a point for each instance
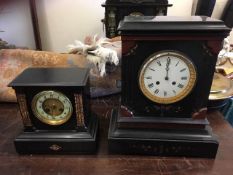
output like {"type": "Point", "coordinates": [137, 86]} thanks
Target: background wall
{"type": "Point", "coordinates": [15, 21]}
{"type": "Point", "coordinates": [180, 8]}
{"type": "Point", "coordinates": [218, 8]}
{"type": "Point", "coordinates": [63, 21]}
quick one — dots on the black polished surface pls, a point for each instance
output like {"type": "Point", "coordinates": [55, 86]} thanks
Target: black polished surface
{"type": "Point", "coordinates": [136, 3]}
{"type": "Point", "coordinates": [171, 23]}
{"type": "Point", "coordinates": [188, 19]}
{"type": "Point", "coordinates": [52, 77]}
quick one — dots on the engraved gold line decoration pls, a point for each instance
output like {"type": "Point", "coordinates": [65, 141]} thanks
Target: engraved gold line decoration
{"type": "Point", "coordinates": [132, 50]}
{"type": "Point", "coordinates": [79, 110]}
{"type": "Point", "coordinates": [181, 95]}
{"type": "Point", "coordinates": [112, 22]}
{"type": "Point", "coordinates": [201, 114]}
{"type": "Point", "coordinates": [207, 50]}
{"type": "Point", "coordinates": [24, 110]}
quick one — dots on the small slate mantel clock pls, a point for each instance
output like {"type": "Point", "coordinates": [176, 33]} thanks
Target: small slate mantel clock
{"type": "Point", "coordinates": [116, 10]}
{"type": "Point", "coordinates": [167, 70]}
{"type": "Point", "coordinates": [55, 111]}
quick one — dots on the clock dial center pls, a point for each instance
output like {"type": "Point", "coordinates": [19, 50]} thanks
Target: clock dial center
{"type": "Point", "coordinates": [52, 107]}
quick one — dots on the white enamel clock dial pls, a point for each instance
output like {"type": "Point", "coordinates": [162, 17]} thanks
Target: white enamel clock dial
{"type": "Point", "coordinates": [167, 77]}
{"type": "Point", "coordinates": [52, 107]}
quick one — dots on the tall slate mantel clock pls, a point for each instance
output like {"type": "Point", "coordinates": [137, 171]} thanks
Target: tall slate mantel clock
{"type": "Point", "coordinates": [116, 10]}
{"type": "Point", "coordinates": [55, 111]}
{"type": "Point", "coordinates": [167, 69]}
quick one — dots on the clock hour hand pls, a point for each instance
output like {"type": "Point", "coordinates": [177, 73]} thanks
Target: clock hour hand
{"type": "Point", "coordinates": [167, 68]}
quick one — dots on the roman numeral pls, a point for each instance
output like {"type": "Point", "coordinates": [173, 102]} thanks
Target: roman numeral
{"type": "Point", "coordinates": [151, 69]}
{"type": "Point", "coordinates": [165, 93]}
{"type": "Point", "coordinates": [182, 70]}
{"type": "Point", "coordinates": [174, 91]}
{"type": "Point", "coordinates": [149, 77]}
{"type": "Point", "coordinates": [180, 86]}
{"type": "Point", "coordinates": [177, 63]}
{"type": "Point", "coordinates": [184, 78]}
{"type": "Point", "coordinates": [156, 91]}
{"type": "Point", "coordinates": [151, 85]}
{"type": "Point", "coordinates": [159, 63]}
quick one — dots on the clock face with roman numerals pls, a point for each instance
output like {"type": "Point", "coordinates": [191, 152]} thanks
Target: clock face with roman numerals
{"type": "Point", "coordinates": [52, 107]}
{"type": "Point", "coordinates": [167, 77]}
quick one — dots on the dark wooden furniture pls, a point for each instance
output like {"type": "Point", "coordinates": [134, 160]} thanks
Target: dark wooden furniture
{"type": "Point", "coordinates": [34, 18]}
{"type": "Point", "coordinates": [116, 10]}
{"type": "Point", "coordinates": [35, 24]}
{"type": "Point", "coordinates": [180, 127]}
{"type": "Point", "coordinates": [205, 8]}
{"type": "Point", "coordinates": [55, 109]}
{"type": "Point", "coordinates": [103, 163]}
{"type": "Point", "coordinates": [227, 15]}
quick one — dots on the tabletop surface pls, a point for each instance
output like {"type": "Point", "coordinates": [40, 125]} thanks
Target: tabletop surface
{"type": "Point", "coordinates": [103, 163]}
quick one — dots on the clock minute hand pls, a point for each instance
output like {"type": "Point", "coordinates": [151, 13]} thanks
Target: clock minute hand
{"type": "Point", "coordinates": [167, 68]}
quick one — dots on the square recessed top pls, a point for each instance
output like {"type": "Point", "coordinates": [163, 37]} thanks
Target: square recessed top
{"type": "Point", "coordinates": [176, 24]}
{"type": "Point", "coordinates": [136, 2]}
{"type": "Point", "coordinates": [52, 77]}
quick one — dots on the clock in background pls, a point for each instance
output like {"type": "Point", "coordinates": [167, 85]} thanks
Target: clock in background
{"type": "Point", "coordinates": [116, 10]}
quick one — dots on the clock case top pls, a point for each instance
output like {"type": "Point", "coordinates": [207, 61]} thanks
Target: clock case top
{"type": "Point", "coordinates": [159, 25]}
{"type": "Point", "coordinates": [68, 81]}
{"type": "Point", "coordinates": [198, 37]}
{"type": "Point", "coordinates": [135, 2]}
{"type": "Point", "coordinates": [63, 77]}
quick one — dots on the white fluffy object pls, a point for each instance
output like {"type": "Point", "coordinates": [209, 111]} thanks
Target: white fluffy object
{"type": "Point", "coordinates": [79, 47]}
{"type": "Point", "coordinates": [102, 56]}
{"type": "Point", "coordinates": [96, 53]}
{"type": "Point", "coordinates": [225, 53]}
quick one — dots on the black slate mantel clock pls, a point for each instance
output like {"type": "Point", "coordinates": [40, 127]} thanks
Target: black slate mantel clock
{"type": "Point", "coordinates": [55, 111]}
{"type": "Point", "coordinates": [116, 10]}
{"type": "Point", "coordinates": [167, 69]}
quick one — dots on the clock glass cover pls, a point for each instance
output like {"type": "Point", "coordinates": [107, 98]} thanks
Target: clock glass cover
{"type": "Point", "coordinates": [52, 107]}
{"type": "Point", "coordinates": [167, 77]}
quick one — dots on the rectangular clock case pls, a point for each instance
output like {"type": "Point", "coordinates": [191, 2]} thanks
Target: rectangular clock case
{"type": "Point", "coordinates": [116, 10]}
{"type": "Point", "coordinates": [78, 134]}
{"type": "Point", "coordinates": [140, 126]}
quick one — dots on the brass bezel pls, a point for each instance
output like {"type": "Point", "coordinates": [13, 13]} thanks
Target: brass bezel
{"type": "Point", "coordinates": [136, 14]}
{"type": "Point", "coordinates": [181, 95]}
{"type": "Point", "coordinates": [48, 121]}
